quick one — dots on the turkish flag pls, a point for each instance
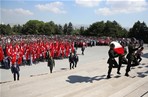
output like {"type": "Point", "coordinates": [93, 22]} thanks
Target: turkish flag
{"type": "Point", "coordinates": [118, 48]}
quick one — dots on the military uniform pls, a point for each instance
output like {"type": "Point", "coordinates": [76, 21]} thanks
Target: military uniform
{"type": "Point", "coordinates": [111, 61]}
{"type": "Point", "coordinates": [130, 56]}
{"type": "Point", "coordinates": [122, 59]}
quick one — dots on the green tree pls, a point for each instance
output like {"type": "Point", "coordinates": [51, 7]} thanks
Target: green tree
{"type": "Point", "coordinates": [96, 28]}
{"type": "Point", "coordinates": [69, 28]}
{"type": "Point", "coordinates": [82, 30]}
{"type": "Point", "coordinates": [59, 30]}
{"type": "Point", "coordinates": [5, 29]}
{"type": "Point", "coordinates": [33, 27]}
{"type": "Point", "coordinates": [109, 28]}
{"type": "Point", "coordinates": [65, 29]}
{"type": "Point", "coordinates": [139, 31]}
{"type": "Point", "coordinates": [17, 29]}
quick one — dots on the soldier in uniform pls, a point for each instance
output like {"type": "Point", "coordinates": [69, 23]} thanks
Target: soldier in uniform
{"type": "Point", "coordinates": [131, 55]}
{"type": "Point", "coordinates": [122, 59]}
{"type": "Point", "coordinates": [111, 61]}
{"type": "Point", "coordinates": [51, 63]}
{"type": "Point", "coordinates": [138, 54]}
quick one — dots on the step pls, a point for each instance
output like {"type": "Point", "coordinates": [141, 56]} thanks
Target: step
{"type": "Point", "coordinates": [125, 91]}
{"type": "Point", "coordinates": [97, 85]}
{"type": "Point", "coordinates": [142, 91]}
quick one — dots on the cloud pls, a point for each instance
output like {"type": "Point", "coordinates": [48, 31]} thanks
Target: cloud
{"type": "Point", "coordinates": [122, 6]}
{"type": "Point", "coordinates": [54, 7]}
{"type": "Point", "coordinates": [17, 11]}
{"type": "Point", "coordinates": [88, 3]}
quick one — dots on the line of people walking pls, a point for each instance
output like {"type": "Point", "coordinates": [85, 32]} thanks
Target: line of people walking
{"type": "Point", "coordinates": [131, 58]}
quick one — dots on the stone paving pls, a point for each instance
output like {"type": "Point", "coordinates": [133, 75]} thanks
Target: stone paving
{"type": "Point", "coordinates": [87, 80]}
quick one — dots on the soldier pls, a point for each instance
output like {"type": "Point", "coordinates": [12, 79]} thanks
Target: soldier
{"type": "Point", "coordinates": [51, 63]}
{"type": "Point", "coordinates": [111, 61]}
{"type": "Point", "coordinates": [138, 54]}
{"type": "Point", "coordinates": [131, 55]}
{"type": "Point", "coordinates": [71, 61]}
{"type": "Point", "coordinates": [122, 59]}
{"type": "Point", "coordinates": [15, 70]}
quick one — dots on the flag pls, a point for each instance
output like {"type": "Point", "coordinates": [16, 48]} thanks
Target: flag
{"type": "Point", "coordinates": [118, 48]}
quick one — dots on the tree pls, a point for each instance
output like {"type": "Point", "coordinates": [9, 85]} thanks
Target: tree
{"type": "Point", "coordinates": [69, 28]}
{"type": "Point", "coordinates": [17, 29]}
{"type": "Point", "coordinates": [82, 30]}
{"type": "Point", "coordinates": [109, 28]}
{"type": "Point", "coordinates": [139, 31]}
{"type": "Point", "coordinates": [59, 29]}
{"type": "Point", "coordinates": [95, 29]}
{"type": "Point", "coordinates": [33, 27]}
{"type": "Point", "coordinates": [65, 30]}
{"type": "Point", "coordinates": [5, 29]}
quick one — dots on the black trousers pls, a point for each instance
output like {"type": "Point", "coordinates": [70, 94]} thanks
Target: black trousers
{"type": "Point", "coordinates": [120, 64]}
{"type": "Point", "coordinates": [51, 68]}
{"type": "Point", "coordinates": [128, 66]}
{"type": "Point", "coordinates": [16, 74]}
{"type": "Point", "coordinates": [82, 52]}
{"type": "Point", "coordinates": [112, 64]}
{"type": "Point", "coordinates": [110, 68]}
{"type": "Point", "coordinates": [139, 58]}
{"type": "Point", "coordinates": [75, 64]}
{"type": "Point", "coordinates": [71, 65]}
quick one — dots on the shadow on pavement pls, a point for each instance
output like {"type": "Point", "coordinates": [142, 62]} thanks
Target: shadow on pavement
{"type": "Point", "coordinates": [64, 68]}
{"type": "Point", "coordinates": [79, 79]}
{"type": "Point", "coordinates": [141, 74]}
{"type": "Point", "coordinates": [145, 55]}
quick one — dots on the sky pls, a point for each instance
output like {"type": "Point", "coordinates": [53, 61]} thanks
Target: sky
{"type": "Point", "coordinates": [78, 12]}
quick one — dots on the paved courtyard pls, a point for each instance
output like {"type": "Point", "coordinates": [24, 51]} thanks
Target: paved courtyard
{"type": "Point", "coordinates": [87, 80]}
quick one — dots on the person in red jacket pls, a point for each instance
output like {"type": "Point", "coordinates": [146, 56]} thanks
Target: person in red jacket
{"type": "Point", "coordinates": [1, 54]}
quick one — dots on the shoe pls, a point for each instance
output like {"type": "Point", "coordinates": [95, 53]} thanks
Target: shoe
{"type": "Point", "coordinates": [118, 73]}
{"type": "Point", "coordinates": [108, 77]}
{"type": "Point", "coordinates": [126, 74]}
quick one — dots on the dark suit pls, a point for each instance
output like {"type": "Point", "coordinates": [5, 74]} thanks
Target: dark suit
{"type": "Point", "coordinates": [82, 49]}
{"type": "Point", "coordinates": [71, 61]}
{"type": "Point", "coordinates": [51, 63]}
{"type": "Point", "coordinates": [15, 70]}
{"type": "Point", "coordinates": [76, 59]}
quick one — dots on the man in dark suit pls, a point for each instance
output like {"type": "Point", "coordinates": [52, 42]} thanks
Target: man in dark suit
{"type": "Point", "coordinates": [15, 70]}
{"type": "Point", "coordinates": [71, 61]}
{"type": "Point", "coordinates": [76, 59]}
{"type": "Point", "coordinates": [50, 63]}
{"type": "Point", "coordinates": [82, 49]}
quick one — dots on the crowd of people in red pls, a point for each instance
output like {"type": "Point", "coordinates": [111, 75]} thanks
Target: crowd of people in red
{"type": "Point", "coordinates": [32, 49]}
